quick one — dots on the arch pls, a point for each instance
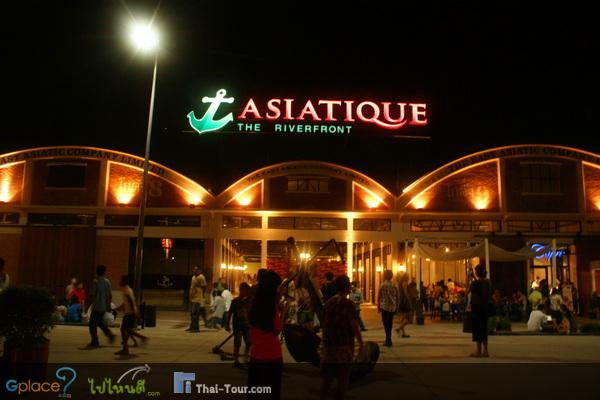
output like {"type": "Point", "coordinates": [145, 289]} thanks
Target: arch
{"type": "Point", "coordinates": [306, 167]}
{"type": "Point", "coordinates": [465, 163]}
{"type": "Point", "coordinates": [197, 195]}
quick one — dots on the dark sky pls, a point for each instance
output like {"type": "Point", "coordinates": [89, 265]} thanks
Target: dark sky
{"type": "Point", "coordinates": [490, 76]}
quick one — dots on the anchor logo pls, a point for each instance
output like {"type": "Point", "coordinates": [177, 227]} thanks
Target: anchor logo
{"type": "Point", "coordinates": [207, 123]}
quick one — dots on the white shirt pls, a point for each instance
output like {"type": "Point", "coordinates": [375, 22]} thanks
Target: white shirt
{"type": "Point", "coordinates": [219, 307]}
{"type": "Point", "coordinates": [536, 318]}
{"type": "Point", "coordinates": [228, 297]}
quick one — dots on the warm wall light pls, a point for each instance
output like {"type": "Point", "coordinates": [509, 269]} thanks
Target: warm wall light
{"type": "Point", "coordinates": [125, 191]}
{"type": "Point", "coordinates": [193, 200]}
{"type": "Point", "coordinates": [6, 175]}
{"type": "Point", "coordinates": [481, 198]}
{"type": "Point", "coordinates": [447, 250]}
{"type": "Point", "coordinates": [379, 268]}
{"type": "Point", "coordinates": [372, 202]}
{"type": "Point", "coordinates": [402, 268]}
{"type": "Point", "coordinates": [244, 201]}
{"type": "Point", "coordinates": [420, 202]}
{"type": "Point", "coordinates": [597, 202]}
{"type": "Point", "coordinates": [5, 190]}
{"type": "Point", "coordinates": [304, 256]}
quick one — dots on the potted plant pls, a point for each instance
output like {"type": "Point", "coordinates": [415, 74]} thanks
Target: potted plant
{"type": "Point", "coordinates": [25, 317]}
{"type": "Point", "coordinates": [503, 324]}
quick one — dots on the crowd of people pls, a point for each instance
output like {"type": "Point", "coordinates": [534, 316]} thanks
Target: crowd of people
{"type": "Point", "coordinates": [257, 315]}
{"type": "Point", "coordinates": [551, 309]}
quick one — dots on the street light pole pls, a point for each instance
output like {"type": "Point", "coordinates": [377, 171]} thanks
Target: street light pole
{"type": "Point", "coordinates": [139, 248]}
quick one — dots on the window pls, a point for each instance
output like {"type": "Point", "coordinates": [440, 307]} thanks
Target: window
{"type": "Point", "coordinates": [372, 224]}
{"type": "Point", "coordinates": [152, 220]}
{"type": "Point", "coordinates": [340, 224]}
{"type": "Point", "coordinates": [540, 178]}
{"type": "Point", "coordinates": [242, 222]}
{"type": "Point", "coordinates": [9, 218]}
{"type": "Point", "coordinates": [308, 185]}
{"type": "Point", "coordinates": [544, 226]}
{"type": "Point", "coordinates": [281, 223]}
{"type": "Point", "coordinates": [308, 223]}
{"type": "Point", "coordinates": [568, 226]}
{"type": "Point", "coordinates": [454, 226]}
{"type": "Point", "coordinates": [66, 176]}
{"type": "Point", "coordinates": [62, 219]}
{"type": "Point", "coordinates": [172, 220]}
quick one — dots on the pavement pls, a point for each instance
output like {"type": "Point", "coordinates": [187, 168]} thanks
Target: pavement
{"type": "Point", "coordinates": [434, 342]}
{"type": "Point", "coordinates": [432, 364]}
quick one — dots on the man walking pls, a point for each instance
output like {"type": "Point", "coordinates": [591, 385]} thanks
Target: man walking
{"type": "Point", "coordinates": [101, 299]}
{"type": "Point", "coordinates": [197, 289]}
{"type": "Point", "coordinates": [387, 304]}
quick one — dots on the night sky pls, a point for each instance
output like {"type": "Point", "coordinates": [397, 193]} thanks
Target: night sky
{"type": "Point", "coordinates": [490, 76]}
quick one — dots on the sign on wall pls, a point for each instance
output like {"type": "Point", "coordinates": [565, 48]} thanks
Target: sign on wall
{"type": "Point", "coordinates": [289, 115]}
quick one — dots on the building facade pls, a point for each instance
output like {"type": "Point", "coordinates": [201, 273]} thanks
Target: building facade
{"type": "Point", "coordinates": [64, 210]}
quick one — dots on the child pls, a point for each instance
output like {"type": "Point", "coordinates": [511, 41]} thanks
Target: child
{"type": "Point", "coordinates": [129, 318]}
{"type": "Point", "coordinates": [73, 311]}
{"type": "Point", "coordinates": [239, 312]}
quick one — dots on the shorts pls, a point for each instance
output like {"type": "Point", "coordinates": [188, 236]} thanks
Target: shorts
{"type": "Point", "coordinates": [239, 334]}
{"type": "Point", "coordinates": [129, 322]}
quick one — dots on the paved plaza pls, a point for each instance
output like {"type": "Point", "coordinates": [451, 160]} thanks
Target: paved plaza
{"type": "Point", "coordinates": [434, 342]}
{"type": "Point", "coordinates": [432, 364]}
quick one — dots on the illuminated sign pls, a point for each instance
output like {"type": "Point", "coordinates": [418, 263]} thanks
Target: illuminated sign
{"type": "Point", "coordinates": [310, 116]}
{"type": "Point", "coordinates": [547, 254]}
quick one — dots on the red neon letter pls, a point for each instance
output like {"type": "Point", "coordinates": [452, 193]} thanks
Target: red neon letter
{"type": "Point", "coordinates": [348, 117]}
{"type": "Point", "coordinates": [250, 108]}
{"type": "Point", "coordinates": [288, 108]}
{"type": "Point", "coordinates": [309, 109]}
{"type": "Point", "coordinates": [418, 111]}
{"type": "Point", "coordinates": [330, 104]}
{"type": "Point", "coordinates": [273, 105]}
{"type": "Point", "coordinates": [361, 116]}
{"type": "Point", "coordinates": [393, 123]}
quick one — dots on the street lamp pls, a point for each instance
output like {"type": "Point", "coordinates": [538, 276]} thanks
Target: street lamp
{"type": "Point", "coordinates": [145, 38]}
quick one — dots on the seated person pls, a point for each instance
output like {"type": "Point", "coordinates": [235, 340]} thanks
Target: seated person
{"type": "Point", "coordinates": [60, 312]}
{"type": "Point", "coordinates": [536, 319]}
{"type": "Point", "coordinates": [568, 315]}
{"type": "Point", "coordinates": [446, 310]}
{"type": "Point", "coordinates": [564, 327]}
{"type": "Point", "coordinates": [216, 321]}
{"type": "Point", "coordinates": [74, 311]}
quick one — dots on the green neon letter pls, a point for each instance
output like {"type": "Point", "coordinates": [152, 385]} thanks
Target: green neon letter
{"type": "Point", "coordinates": [207, 122]}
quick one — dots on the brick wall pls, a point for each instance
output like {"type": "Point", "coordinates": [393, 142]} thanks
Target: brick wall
{"type": "Point", "coordinates": [113, 251]}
